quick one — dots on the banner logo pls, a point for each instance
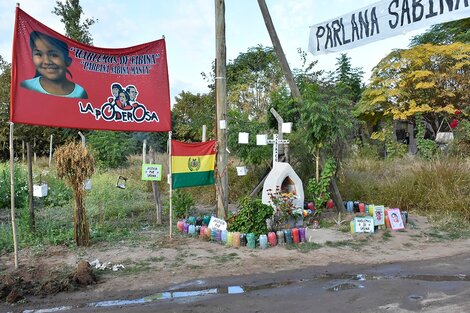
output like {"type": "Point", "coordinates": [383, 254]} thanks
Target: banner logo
{"type": "Point", "coordinates": [121, 106]}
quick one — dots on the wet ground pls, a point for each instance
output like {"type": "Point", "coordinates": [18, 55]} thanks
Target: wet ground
{"type": "Point", "coordinates": [438, 285]}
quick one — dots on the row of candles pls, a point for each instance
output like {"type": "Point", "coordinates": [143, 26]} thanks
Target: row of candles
{"type": "Point", "coordinates": [238, 239]}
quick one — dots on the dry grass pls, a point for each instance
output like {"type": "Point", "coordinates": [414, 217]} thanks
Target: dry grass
{"type": "Point", "coordinates": [410, 184]}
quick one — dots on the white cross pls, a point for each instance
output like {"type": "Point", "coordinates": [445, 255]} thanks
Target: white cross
{"type": "Point", "coordinates": [275, 142]}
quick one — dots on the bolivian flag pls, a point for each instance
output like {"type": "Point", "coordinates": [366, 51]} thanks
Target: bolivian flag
{"type": "Point", "coordinates": [192, 164]}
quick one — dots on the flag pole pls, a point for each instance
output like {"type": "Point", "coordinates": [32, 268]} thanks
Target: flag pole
{"type": "Point", "coordinates": [170, 181]}
{"type": "Point", "coordinates": [12, 196]}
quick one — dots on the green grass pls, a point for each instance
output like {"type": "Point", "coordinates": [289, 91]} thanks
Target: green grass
{"type": "Point", "coordinates": [386, 235]}
{"type": "Point", "coordinates": [137, 267]}
{"type": "Point", "coordinates": [353, 244]}
{"type": "Point", "coordinates": [448, 225]}
{"type": "Point", "coordinates": [156, 259]}
{"type": "Point", "coordinates": [304, 247]}
{"type": "Point", "coordinates": [224, 258]}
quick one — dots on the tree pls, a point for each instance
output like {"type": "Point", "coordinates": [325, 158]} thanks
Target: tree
{"type": "Point", "coordinates": [190, 112]}
{"type": "Point", "coordinates": [427, 79]}
{"type": "Point", "coordinates": [251, 153]}
{"type": "Point", "coordinates": [325, 118]}
{"type": "Point", "coordinates": [70, 13]}
{"type": "Point", "coordinates": [443, 34]}
{"type": "Point", "coordinates": [251, 78]}
{"type": "Point", "coordinates": [111, 148]}
{"type": "Point", "coordinates": [5, 82]}
{"type": "Point", "coordinates": [348, 78]}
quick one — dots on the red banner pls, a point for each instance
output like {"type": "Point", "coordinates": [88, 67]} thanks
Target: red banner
{"type": "Point", "coordinates": [59, 82]}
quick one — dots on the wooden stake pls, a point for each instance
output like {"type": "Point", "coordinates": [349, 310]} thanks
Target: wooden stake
{"type": "Point", "coordinates": [12, 193]}
{"type": "Point", "coordinates": [32, 221]}
{"type": "Point", "coordinates": [144, 151]}
{"type": "Point", "coordinates": [170, 178]}
{"type": "Point", "coordinates": [50, 151]}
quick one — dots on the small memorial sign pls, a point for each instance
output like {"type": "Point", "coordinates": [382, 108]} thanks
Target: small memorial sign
{"type": "Point", "coordinates": [396, 220]}
{"type": "Point", "coordinates": [379, 215]}
{"type": "Point", "coordinates": [364, 224]}
{"type": "Point", "coordinates": [217, 224]}
{"type": "Point", "coordinates": [152, 172]}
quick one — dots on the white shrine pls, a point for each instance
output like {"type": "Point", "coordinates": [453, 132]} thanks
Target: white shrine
{"type": "Point", "coordinates": [282, 176]}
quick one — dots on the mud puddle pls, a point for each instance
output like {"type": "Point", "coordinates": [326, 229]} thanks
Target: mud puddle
{"type": "Point", "coordinates": [331, 282]}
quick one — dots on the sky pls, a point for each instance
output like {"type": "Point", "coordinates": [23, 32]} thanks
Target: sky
{"type": "Point", "coordinates": [189, 30]}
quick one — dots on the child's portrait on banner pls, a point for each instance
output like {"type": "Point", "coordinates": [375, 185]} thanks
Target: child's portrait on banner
{"type": "Point", "coordinates": [87, 87]}
{"type": "Point", "coordinates": [51, 61]}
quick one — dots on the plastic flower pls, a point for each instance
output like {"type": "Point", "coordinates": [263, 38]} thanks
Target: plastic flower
{"type": "Point", "coordinates": [454, 123]}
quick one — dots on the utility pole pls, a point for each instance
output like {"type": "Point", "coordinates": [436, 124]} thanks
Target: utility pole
{"type": "Point", "coordinates": [278, 49]}
{"type": "Point", "coordinates": [220, 89]}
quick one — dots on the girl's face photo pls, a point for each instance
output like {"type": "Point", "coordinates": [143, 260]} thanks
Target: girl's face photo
{"type": "Point", "coordinates": [49, 61]}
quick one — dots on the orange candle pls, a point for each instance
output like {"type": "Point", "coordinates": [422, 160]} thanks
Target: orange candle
{"type": "Point", "coordinates": [236, 239]}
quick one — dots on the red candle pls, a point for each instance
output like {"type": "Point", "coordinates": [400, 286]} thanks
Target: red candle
{"type": "Point", "coordinates": [272, 238]}
{"type": "Point", "coordinates": [295, 235]}
{"type": "Point", "coordinates": [180, 225]}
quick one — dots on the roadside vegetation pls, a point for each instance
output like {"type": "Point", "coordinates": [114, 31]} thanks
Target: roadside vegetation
{"type": "Point", "coordinates": [438, 189]}
{"type": "Point", "coordinates": [375, 141]}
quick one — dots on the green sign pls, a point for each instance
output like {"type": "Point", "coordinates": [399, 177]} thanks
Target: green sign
{"type": "Point", "coordinates": [152, 172]}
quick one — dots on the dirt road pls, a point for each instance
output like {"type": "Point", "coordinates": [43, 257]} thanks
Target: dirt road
{"type": "Point", "coordinates": [438, 285]}
{"type": "Point", "coordinates": [370, 273]}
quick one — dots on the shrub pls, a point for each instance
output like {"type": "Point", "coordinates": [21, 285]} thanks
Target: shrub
{"type": "Point", "coordinates": [427, 148]}
{"type": "Point", "coordinates": [319, 191]}
{"type": "Point", "coordinates": [182, 203]}
{"type": "Point", "coordinates": [58, 195]}
{"type": "Point", "coordinates": [252, 217]}
{"type": "Point", "coordinates": [21, 186]}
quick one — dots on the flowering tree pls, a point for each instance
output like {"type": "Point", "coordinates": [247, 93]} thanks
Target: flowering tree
{"type": "Point", "coordinates": [430, 80]}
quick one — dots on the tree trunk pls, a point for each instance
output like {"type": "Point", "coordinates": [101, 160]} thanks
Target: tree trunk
{"type": "Point", "coordinates": [317, 165]}
{"type": "Point", "coordinates": [335, 194]}
{"type": "Point", "coordinates": [412, 147]}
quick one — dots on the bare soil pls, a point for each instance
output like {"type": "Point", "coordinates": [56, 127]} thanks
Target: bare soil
{"type": "Point", "coordinates": [156, 262]}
